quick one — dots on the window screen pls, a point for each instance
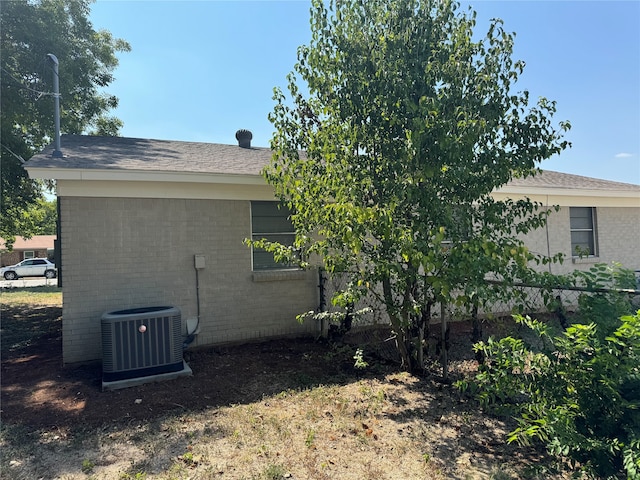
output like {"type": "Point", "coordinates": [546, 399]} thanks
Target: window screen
{"type": "Point", "coordinates": [270, 221]}
{"type": "Point", "coordinates": [583, 231]}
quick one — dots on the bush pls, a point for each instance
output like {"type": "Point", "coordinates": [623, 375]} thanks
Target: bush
{"type": "Point", "coordinates": [578, 391]}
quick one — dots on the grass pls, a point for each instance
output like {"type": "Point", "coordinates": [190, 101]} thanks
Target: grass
{"type": "Point", "coordinates": [35, 296]}
{"type": "Point", "coordinates": [385, 426]}
{"type": "Point", "coordinates": [39, 316]}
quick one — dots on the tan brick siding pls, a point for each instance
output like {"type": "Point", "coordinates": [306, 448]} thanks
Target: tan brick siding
{"type": "Point", "coordinates": [122, 253]}
{"type": "Point", "coordinates": [618, 235]}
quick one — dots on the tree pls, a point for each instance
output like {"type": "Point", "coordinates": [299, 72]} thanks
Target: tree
{"type": "Point", "coordinates": [30, 31]}
{"type": "Point", "coordinates": [388, 161]}
{"type": "Point", "coordinates": [40, 218]}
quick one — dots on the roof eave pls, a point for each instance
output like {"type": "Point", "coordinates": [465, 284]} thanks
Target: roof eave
{"type": "Point", "coordinates": [569, 192]}
{"type": "Point", "coordinates": [143, 176]}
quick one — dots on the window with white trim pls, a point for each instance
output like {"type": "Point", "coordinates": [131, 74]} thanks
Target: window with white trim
{"type": "Point", "coordinates": [584, 238]}
{"type": "Point", "coordinates": [29, 254]}
{"type": "Point", "coordinates": [270, 221]}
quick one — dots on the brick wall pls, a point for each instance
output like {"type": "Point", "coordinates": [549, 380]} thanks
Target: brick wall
{"type": "Point", "coordinates": [10, 258]}
{"type": "Point", "coordinates": [16, 256]}
{"type": "Point", "coordinates": [122, 253]}
{"type": "Point", "coordinates": [618, 234]}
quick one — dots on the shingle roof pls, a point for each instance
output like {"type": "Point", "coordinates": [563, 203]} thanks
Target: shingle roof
{"type": "Point", "coordinates": [136, 154]}
{"type": "Point", "coordinates": [551, 179]}
{"type": "Point", "coordinates": [121, 153]}
{"type": "Point", "coordinates": [37, 242]}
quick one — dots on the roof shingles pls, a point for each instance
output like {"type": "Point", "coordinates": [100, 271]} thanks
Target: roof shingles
{"type": "Point", "coordinates": [120, 153]}
{"type": "Point", "coordinates": [136, 154]}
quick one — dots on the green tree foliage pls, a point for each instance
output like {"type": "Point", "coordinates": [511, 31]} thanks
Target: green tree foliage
{"type": "Point", "coordinates": [577, 391]}
{"type": "Point", "coordinates": [40, 218]}
{"type": "Point", "coordinates": [407, 124]}
{"type": "Point", "coordinates": [31, 29]}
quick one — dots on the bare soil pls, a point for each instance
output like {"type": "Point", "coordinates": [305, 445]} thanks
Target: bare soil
{"type": "Point", "coordinates": [293, 408]}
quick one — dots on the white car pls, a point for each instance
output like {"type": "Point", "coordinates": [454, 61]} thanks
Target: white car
{"type": "Point", "coordinates": [32, 267]}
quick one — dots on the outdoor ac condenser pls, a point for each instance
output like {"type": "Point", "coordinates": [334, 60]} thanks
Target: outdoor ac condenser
{"type": "Point", "coordinates": [141, 342]}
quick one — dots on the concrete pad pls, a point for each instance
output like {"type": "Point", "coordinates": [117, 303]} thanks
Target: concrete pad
{"type": "Point", "coordinates": [161, 377]}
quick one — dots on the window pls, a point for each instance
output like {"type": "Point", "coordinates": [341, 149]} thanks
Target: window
{"type": "Point", "coordinates": [29, 254]}
{"type": "Point", "coordinates": [583, 231]}
{"type": "Point", "coordinates": [270, 221]}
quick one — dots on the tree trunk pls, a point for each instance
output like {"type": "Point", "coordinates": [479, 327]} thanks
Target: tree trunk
{"type": "Point", "coordinates": [476, 335]}
{"type": "Point", "coordinates": [398, 328]}
{"type": "Point", "coordinates": [423, 333]}
{"type": "Point", "coordinates": [444, 341]}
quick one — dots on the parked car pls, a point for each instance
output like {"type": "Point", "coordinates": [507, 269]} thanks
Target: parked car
{"type": "Point", "coordinates": [32, 267]}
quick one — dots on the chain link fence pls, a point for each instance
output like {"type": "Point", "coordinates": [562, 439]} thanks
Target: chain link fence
{"type": "Point", "coordinates": [366, 323]}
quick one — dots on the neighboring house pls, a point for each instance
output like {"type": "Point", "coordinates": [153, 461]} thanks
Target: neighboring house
{"type": "Point", "coordinates": [38, 246]}
{"type": "Point", "coordinates": [135, 213]}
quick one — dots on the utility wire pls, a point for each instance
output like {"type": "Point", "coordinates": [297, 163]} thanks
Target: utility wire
{"type": "Point", "coordinates": [23, 86]}
{"type": "Point", "coordinates": [13, 153]}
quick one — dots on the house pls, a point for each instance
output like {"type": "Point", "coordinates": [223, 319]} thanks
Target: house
{"type": "Point", "coordinates": [138, 216]}
{"type": "Point", "coordinates": [38, 246]}
{"type": "Point", "coordinates": [600, 218]}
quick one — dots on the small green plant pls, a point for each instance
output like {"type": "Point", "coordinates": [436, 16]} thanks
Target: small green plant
{"type": "Point", "coordinates": [311, 436]}
{"type": "Point", "coordinates": [578, 393]}
{"type": "Point", "coordinates": [87, 466]}
{"type": "Point", "coordinates": [274, 472]}
{"type": "Point", "coordinates": [360, 362]}
{"type": "Point", "coordinates": [135, 476]}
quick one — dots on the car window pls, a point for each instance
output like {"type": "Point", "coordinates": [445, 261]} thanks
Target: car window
{"type": "Point", "coordinates": [39, 262]}
{"type": "Point", "coordinates": [27, 263]}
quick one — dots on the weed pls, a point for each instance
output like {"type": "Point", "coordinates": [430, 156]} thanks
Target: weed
{"type": "Point", "coordinates": [274, 472]}
{"type": "Point", "coordinates": [360, 362]}
{"type": "Point", "coordinates": [87, 466]}
{"type": "Point", "coordinates": [134, 476]}
{"type": "Point", "coordinates": [263, 450]}
{"type": "Point", "coordinates": [311, 436]}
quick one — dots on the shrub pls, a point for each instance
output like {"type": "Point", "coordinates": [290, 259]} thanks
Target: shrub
{"type": "Point", "coordinates": [578, 392]}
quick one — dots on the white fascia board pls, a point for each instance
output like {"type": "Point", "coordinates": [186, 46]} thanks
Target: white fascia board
{"type": "Point", "coordinates": [143, 176]}
{"type": "Point", "coordinates": [572, 197]}
{"type": "Point", "coordinates": [182, 190]}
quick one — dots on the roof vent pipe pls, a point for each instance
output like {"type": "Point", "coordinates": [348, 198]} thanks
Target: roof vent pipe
{"type": "Point", "coordinates": [56, 102]}
{"type": "Point", "coordinates": [244, 138]}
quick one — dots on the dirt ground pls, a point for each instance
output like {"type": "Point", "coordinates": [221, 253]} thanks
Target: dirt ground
{"type": "Point", "coordinates": [38, 391]}
{"type": "Point", "coordinates": [244, 388]}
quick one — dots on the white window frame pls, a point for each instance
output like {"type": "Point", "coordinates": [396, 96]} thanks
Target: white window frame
{"type": "Point", "coordinates": [28, 254]}
{"type": "Point", "coordinates": [274, 235]}
{"type": "Point", "coordinates": [592, 229]}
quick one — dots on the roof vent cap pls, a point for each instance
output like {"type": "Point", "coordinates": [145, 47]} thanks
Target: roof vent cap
{"type": "Point", "coordinates": [244, 138]}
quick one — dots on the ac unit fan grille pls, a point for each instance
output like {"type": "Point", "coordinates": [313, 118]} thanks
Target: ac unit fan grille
{"type": "Point", "coordinates": [141, 342]}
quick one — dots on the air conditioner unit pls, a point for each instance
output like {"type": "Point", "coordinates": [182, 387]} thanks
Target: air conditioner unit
{"type": "Point", "coordinates": [141, 342]}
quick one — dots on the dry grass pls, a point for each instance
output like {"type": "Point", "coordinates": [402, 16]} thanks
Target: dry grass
{"type": "Point", "coordinates": [36, 296]}
{"type": "Point", "coordinates": [386, 428]}
{"type": "Point", "coordinates": [378, 424]}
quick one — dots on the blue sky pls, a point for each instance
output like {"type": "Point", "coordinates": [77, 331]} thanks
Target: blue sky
{"type": "Point", "coordinates": [200, 70]}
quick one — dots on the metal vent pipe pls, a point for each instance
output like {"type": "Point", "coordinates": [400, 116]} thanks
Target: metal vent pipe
{"type": "Point", "coordinates": [57, 153]}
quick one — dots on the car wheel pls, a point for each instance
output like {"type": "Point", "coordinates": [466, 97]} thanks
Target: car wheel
{"type": "Point", "coordinates": [50, 274]}
{"type": "Point", "coordinates": [10, 275]}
